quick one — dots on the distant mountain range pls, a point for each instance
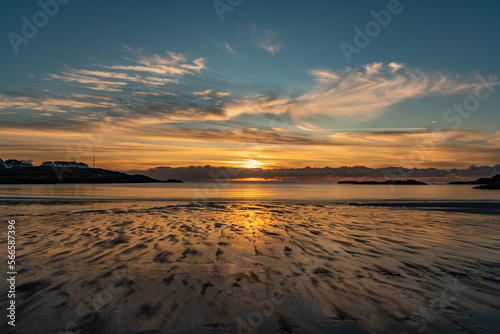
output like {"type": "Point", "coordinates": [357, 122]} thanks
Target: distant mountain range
{"type": "Point", "coordinates": [318, 174]}
{"type": "Point", "coordinates": [392, 182]}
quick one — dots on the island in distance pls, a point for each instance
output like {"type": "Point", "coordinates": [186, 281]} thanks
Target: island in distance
{"type": "Point", "coordinates": [407, 182]}
{"type": "Point", "coordinates": [494, 184]}
{"type": "Point", "coordinates": [484, 182]}
{"type": "Point", "coordinates": [51, 175]}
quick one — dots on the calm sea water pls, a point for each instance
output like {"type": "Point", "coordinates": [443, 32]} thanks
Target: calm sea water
{"type": "Point", "coordinates": [197, 191]}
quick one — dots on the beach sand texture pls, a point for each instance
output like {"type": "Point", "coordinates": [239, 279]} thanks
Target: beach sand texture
{"type": "Point", "coordinates": [253, 267]}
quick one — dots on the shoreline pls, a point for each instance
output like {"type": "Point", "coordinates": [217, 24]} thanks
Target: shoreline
{"type": "Point", "coordinates": [488, 207]}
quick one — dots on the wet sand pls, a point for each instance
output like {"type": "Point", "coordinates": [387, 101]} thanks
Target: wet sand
{"type": "Point", "coordinates": [254, 267]}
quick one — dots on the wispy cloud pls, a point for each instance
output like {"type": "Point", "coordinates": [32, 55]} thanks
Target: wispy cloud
{"type": "Point", "coordinates": [180, 100]}
{"type": "Point", "coordinates": [366, 93]}
{"type": "Point", "coordinates": [225, 46]}
{"type": "Point", "coordinates": [205, 92]}
{"type": "Point", "coordinates": [181, 92]}
{"type": "Point", "coordinates": [228, 47]}
{"type": "Point", "coordinates": [58, 105]}
{"type": "Point", "coordinates": [89, 82]}
{"type": "Point", "coordinates": [265, 39]}
{"type": "Point", "coordinates": [171, 64]}
{"type": "Point", "coordinates": [357, 94]}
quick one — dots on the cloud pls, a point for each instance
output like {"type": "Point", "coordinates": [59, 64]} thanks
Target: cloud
{"type": "Point", "coordinates": [205, 92]}
{"type": "Point", "coordinates": [140, 85]}
{"type": "Point", "coordinates": [59, 105]}
{"type": "Point", "coordinates": [140, 70]}
{"type": "Point", "coordinates": [366, 94]}
{"type": "Point", "coordinates": [358, 94]}
{"type": "Point", "coordinates": [225, 46]}
{"type": "Point", "coordinates": [89, 82]}
{"type": "Point", "coordinates": [259, 105]}
{"type": "Point", "coordinates": [172, 64]}
{"type": "Point", "coordinates": [149, 93]}
{"type": "Point", "coordinates": [265, 39]}
{"type": "Point", "coordinates": [186, 95]}
{"type": "Point", "coordinates": [325, 76]}
{"type": "Point", "coordinates": [395, 66]}
{"type": "Point", "coordinates": [178, 99]}
{"type": "Point", "coordinates": [374, 68]}
{"type": "Point", "coordinates": [88, 96]}
{"type": "Point", "coordinates": [228, 47]}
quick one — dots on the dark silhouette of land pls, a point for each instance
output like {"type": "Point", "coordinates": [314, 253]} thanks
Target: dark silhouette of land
{"type": "Point", "coordinates": [51, 175]}
{"type": "Point", "coordinates": [404, 182]}
{"type": "Point", "coordinates": [484, 182]}
{"type": "Point", "coordinates": [493, 183]}
{"type": "Point", "coordinates": [213, 173]}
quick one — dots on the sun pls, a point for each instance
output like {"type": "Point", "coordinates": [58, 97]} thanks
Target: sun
{"type": "Point", "coordinates": [250, 163]}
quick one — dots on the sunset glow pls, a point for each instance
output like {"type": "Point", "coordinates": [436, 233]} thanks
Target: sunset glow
{"type": "Point", "coordinates": [249, 163]}
{"type": "Point", "coordinates": [239, 93]}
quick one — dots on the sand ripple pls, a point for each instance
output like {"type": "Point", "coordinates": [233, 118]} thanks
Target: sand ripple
{"type": "Point", "coordinates": [254, 268]}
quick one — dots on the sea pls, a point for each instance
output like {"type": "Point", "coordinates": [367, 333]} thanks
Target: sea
{"type": "Point", "coordinates": [250, 190]}
{"type": "Point", "coordinates": [252, 257]}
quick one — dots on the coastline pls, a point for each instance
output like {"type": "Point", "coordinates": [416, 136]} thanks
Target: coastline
{"type": "Point", "coordinates": [70, 175]}
{"type": "Point", "coordinates": [481, 207]}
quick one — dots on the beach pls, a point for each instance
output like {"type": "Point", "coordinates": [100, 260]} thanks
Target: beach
{"type": "Point", "coordinates": [102, 266]}
{"type": "Point", "coordinates": [250, 167]}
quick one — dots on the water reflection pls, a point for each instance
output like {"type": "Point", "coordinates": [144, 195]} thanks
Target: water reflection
{"type": "Point", "coordinates": [206, 191]}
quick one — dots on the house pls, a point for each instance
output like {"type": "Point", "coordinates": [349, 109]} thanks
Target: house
{"type": "Point", "coordinates": [68, 164]}
{"type": "Point", "coordinates": [13, 163]}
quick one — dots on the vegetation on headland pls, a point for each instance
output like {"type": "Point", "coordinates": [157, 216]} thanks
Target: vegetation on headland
{"type": "Point", "coordinates": [52, 175]}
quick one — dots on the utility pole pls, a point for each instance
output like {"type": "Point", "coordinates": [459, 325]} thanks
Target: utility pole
{"type": "Point", "coordinates": [93, 162]}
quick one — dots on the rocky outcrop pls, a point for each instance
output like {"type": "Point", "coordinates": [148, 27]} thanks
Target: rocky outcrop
{"type": "Point", "coordinates": [493, 183]}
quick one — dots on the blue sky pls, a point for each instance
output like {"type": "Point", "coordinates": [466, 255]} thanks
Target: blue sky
{"type": "Point", "coordinates": [266, 86]}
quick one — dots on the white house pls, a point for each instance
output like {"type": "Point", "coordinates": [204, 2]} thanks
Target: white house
{"type": "Point", "coordinates": [66, 164]}
{"type": "Point", "coordinates": [13, 163]}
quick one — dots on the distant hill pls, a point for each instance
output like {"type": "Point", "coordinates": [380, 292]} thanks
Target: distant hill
{"type": "Point", "coordinates": [51, 175]}
{"type": "Point", "coordinates": [405, 182]}
{"type": "Point", "coordinates": [213, 173]}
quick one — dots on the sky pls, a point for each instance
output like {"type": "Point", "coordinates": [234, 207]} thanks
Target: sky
{"type": "Point", "coordinates": [240, 83]}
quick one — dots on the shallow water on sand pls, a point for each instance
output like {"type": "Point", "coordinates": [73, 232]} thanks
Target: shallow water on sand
{"type": "Point", "coordinates": [254, 267]}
